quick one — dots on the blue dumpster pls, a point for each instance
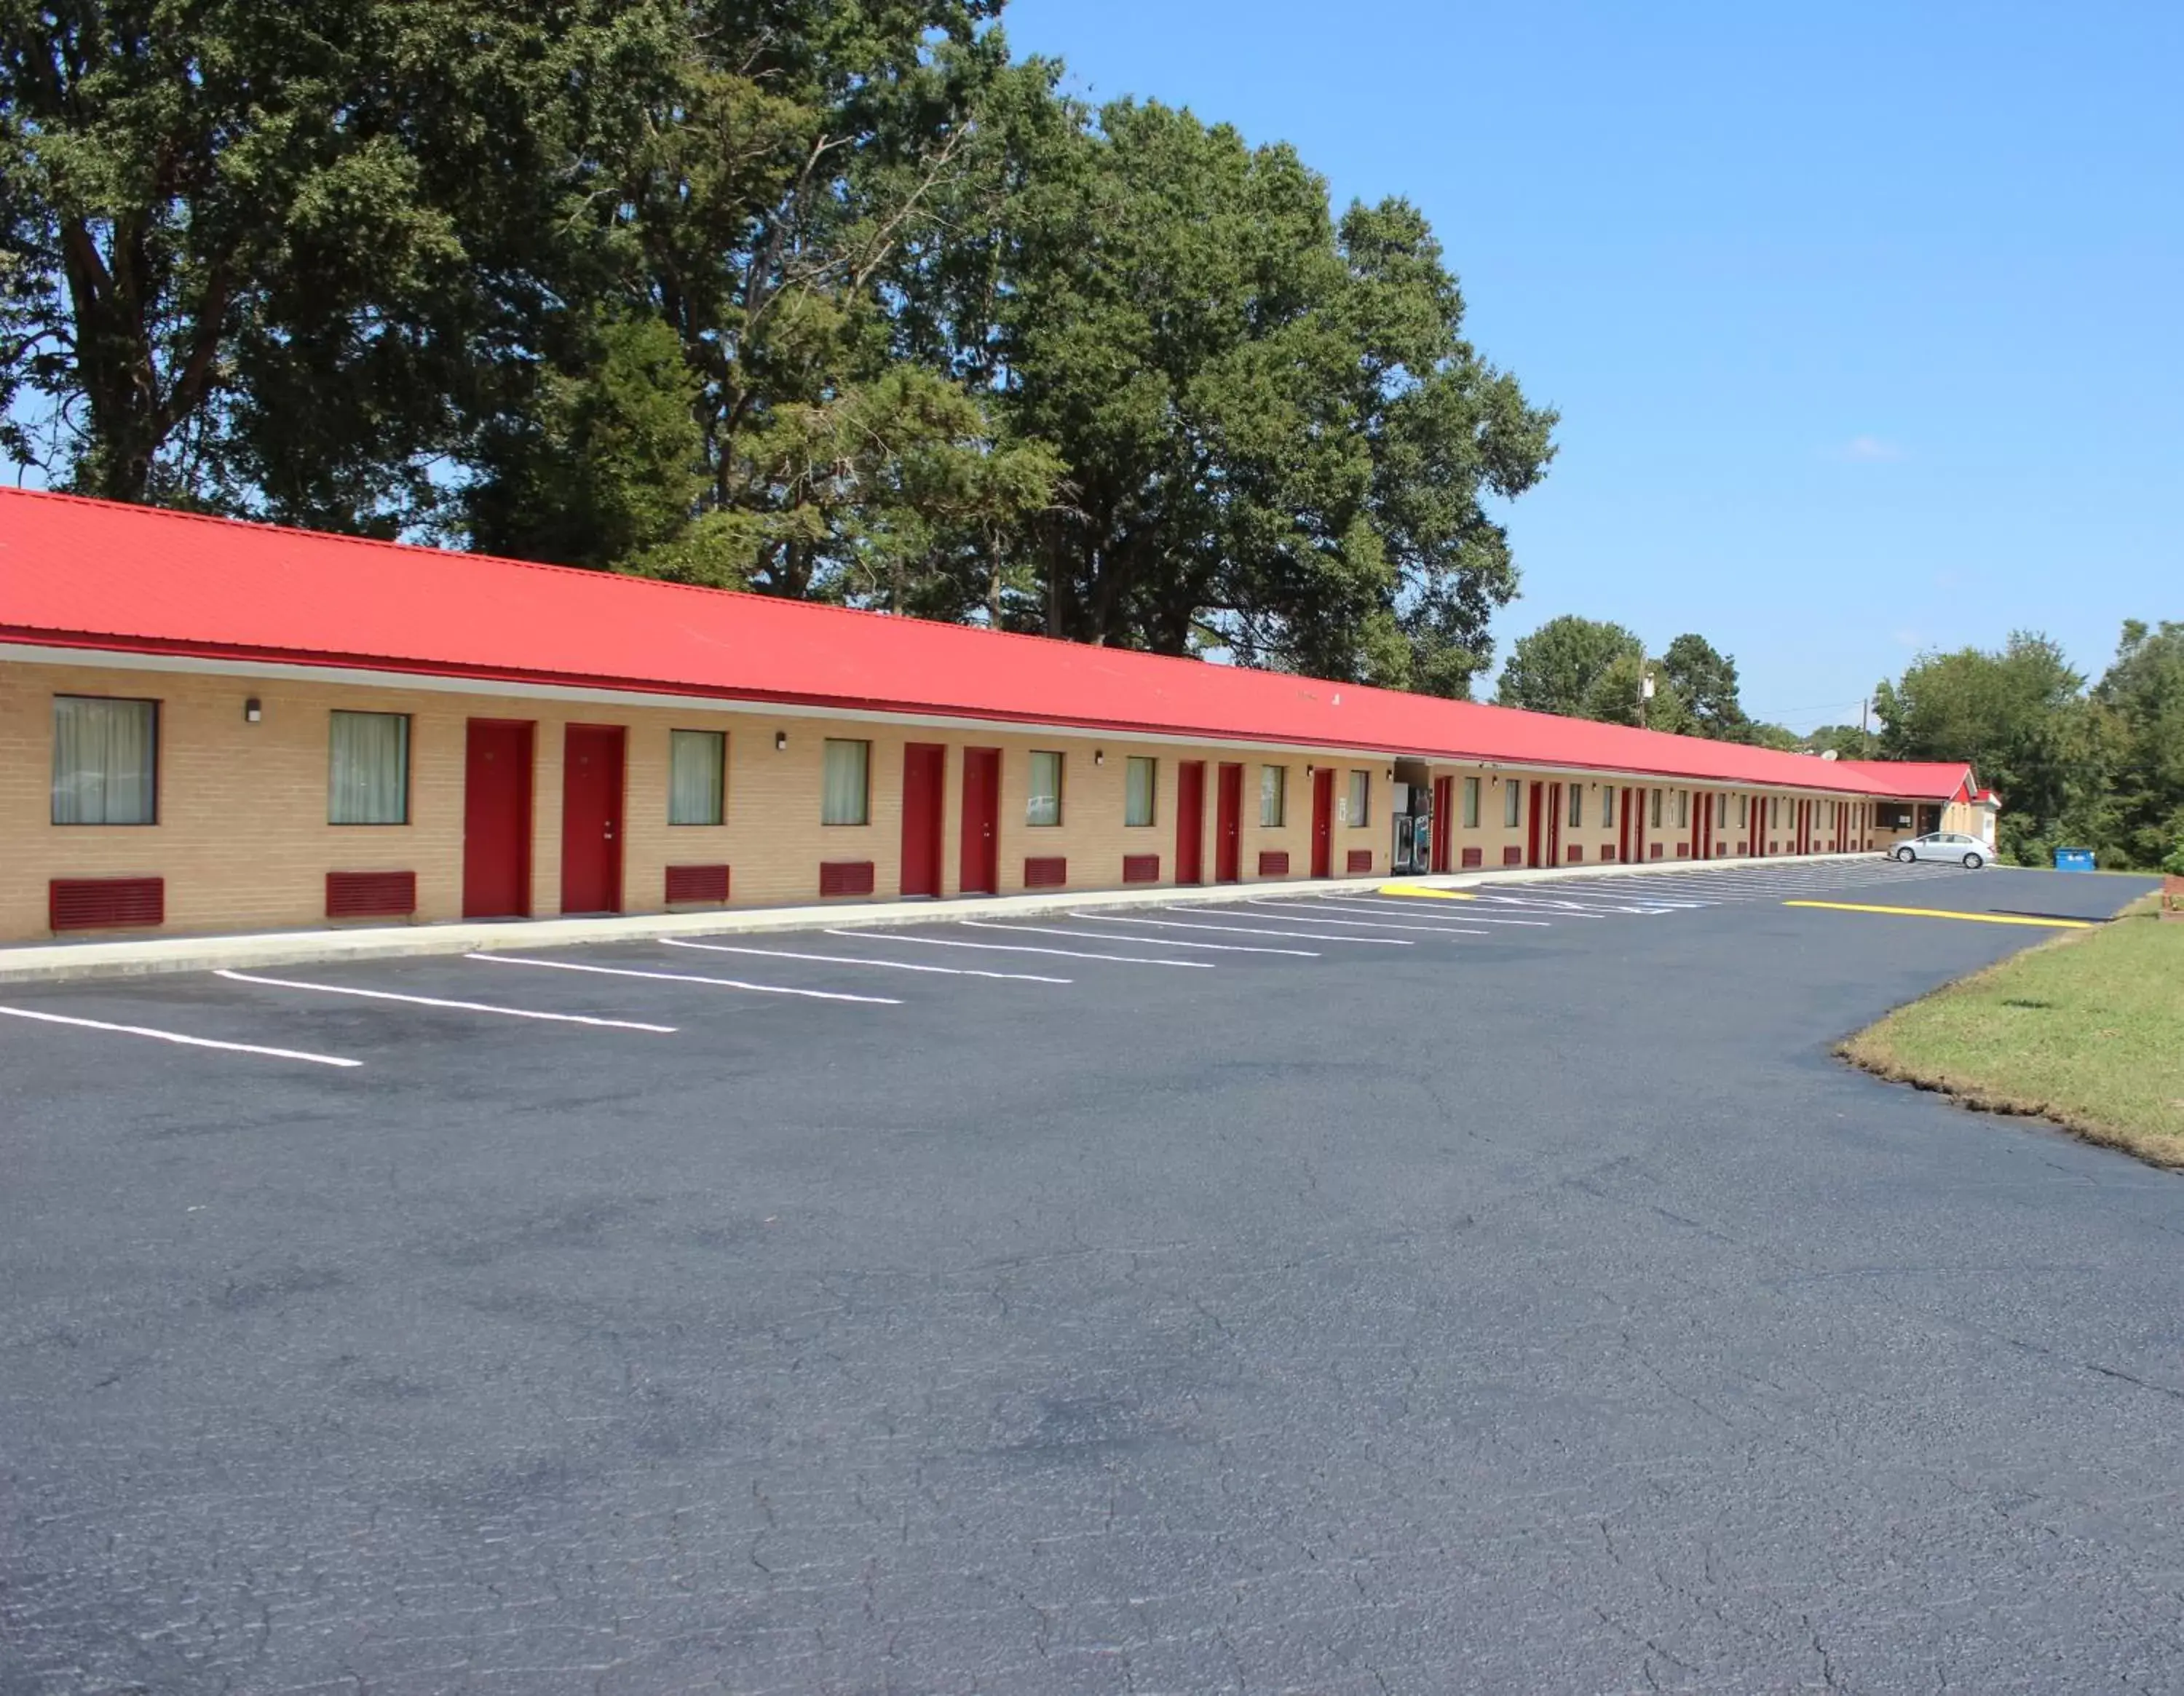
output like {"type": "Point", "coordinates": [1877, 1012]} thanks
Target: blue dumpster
{"type": "Point", "coordinates": [2073, 859]}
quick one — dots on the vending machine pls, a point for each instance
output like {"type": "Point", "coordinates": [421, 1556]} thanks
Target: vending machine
{"type": "Point", "coordinates": [1411, 806]}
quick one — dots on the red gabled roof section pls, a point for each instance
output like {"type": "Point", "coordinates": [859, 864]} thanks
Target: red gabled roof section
{"type": "Point", "coordinates": [1915, 779]}
{"type": "Point", "coordinates": [99, 574]}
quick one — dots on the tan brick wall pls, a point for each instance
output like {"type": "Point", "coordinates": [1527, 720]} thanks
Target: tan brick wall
{"type": "Point", "coordinates": [243, 840]}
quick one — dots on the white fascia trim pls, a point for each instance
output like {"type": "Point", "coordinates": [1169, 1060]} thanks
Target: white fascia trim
{"type": "Point", "coordinates": [364, 677]}
{"type": "Point", "coordinates": [120, 659]}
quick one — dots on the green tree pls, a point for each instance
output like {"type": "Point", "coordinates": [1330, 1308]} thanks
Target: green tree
{"type": "Point", "coordinates": [1705, 680]}
{"type": "Point", "coordinates": [1844, 741]}
{"type": "Point", "coordinates": [1779, 737]}
{"type": "Point", "coordinates": [2141, 698]}
{"type": "Point", "coordinates": [248, 251]}
{"type": "Point", "coordinates": [2020, 719]}
{"type": "Point", "coordinates": [1277, 445]}
{"type": "Point", "coordinates": [1561, 668]}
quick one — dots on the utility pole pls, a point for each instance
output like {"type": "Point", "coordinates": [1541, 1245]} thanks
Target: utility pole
{"type": "Point", "coordinates": [1644, 694]}
{"type": "Point", "coordinates": [1864, 734]}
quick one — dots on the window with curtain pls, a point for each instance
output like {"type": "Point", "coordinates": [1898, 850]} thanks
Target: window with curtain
{"type": "Point", "coordinates": [1141, 783]}
{"type": "Point", "coordinates": [845, 797]}
{"type": "Point", "coordinates": [1274, 796]}
{"type": "Point", "coordinates": [1608, 808]}
{"type": "Point", "coordinates": [1683, 808]}
{"type": "Point", "coordinates": [368, 769]}
{"type": "Point", "coordinates": [1043, 800]}
{"type": "Point", "coordinates": [1361, 796]}
{"type": "Point", "coordinates": [1774, 810]}
{"type": "Point", "coordinates": [1471, 803]}
{"type": "Point", "coordinates": [106, 761]}
{"type": "Point", "coordinates": [697, 777]}
{"type": "Point", "coordinates": [1654, 809]}
{"type": "Point", "coordinates": [1513, 802]}
{"type": "Point", "coordinates": [1576, 804]}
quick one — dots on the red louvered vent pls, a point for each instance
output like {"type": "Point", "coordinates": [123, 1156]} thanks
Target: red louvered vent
{"type": "Point", "coordinates": [845, 877]}
{"type": "Point", "coordinates": [1141, 868]}
{"type": "Point", "coordinates": [1474, 857]}
{"type": "Point", "coordinates": [1683, 850]}
{"type": "Point", "coordinates": [97, 903]}
{"type": "Point", "coordinates": [1774, 848]}
{"type": "Point", "coordinates": [1607, 853]}
{"type": "Point", "coordinates": [1512, 856]}
{"type": "Point", "coordinates": [1273, 863]}
{"type": "Point", "coordinates": [1045, 871]}
{"type": "Point", "coordinates": [1360, 860]}
{"type": "Point", "coordinates": [1657, 851]}
{"type": "Point", "coordinates": [1575, 853]}
{"type": "Point", "coordinates": [370, 894]}
{"type": "Point", "coordinates": [690, 884]}
{"type": "Point", "coordinates": [1743, 847]}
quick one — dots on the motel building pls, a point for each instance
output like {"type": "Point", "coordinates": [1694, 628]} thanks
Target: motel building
{"type": "Point", "coordinates": [209, 726]}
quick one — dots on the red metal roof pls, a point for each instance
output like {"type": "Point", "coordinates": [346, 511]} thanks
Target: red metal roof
{"type": "Point", "coordinates": [100, 575]}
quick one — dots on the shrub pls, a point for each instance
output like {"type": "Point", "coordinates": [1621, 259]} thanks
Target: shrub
{"type": "Point", "coordinates": [2174, 865]}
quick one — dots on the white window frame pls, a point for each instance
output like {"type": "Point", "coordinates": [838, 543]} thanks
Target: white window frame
{"type": "Point", "coordinates": [679, 740]}
{"type": "Point", "coordinates": [63, 782]}
{"type": "Point", "coordinates": [335, 788]}
{"type": "Point", "coordinates": [1044, 800]}
{"type": "Point", "coordinates": [843, 750]}
{"type": "Point", "coordinates": [1274, 796]}
{"type": "Point", "coordinates": [1132, 767]}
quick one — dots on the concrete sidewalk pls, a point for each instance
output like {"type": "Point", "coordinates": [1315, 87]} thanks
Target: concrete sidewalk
{"type": "Point", "coordinates": [147, 955]}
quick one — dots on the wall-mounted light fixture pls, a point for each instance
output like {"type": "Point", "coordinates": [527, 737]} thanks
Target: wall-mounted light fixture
{"type": "Point", "coordinates": [780, 740]}
{"type": "Point", "coordinates": [253, 711]}
{"type": "Point", "coordinates": [1099, 756]}
{"type": "Point", "coordinates": [1307, 772]}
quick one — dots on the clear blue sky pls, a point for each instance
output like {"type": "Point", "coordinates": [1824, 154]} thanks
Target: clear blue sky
{"type": "Point", "coordinates": [1866, 321]}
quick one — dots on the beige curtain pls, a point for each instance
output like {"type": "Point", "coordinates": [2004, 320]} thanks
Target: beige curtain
{"type": "Point", "coordinates": [105, 761]}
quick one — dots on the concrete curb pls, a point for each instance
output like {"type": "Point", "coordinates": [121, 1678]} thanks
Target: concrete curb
{"type": "Point", "coordinates": [58, 962]}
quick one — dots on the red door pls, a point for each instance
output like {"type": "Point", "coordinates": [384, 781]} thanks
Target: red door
{"type": "Point", "coordinates": [924, 777]}
{"type": "Point", "coordinates": [1532, 826]}
{"type": "Point", "coordinates": [1190, 821]}
{"type": "Point", "coordinates": [981, 821]}
{"type": "Point", "coordinates": [497, 820]}
{"type": "Point", "coordinates": [591, 819]}
{"type": "Point", "coordinates": [1444, 824]}
{"type": "Point", "coordinates": [1228, 827]}
{"type": "Point", "coordinates": [1554, 823]}
{"type": "Point", "coordinates": [1704, 841]}
{"type": "Point", "coordinates": [1323, 822]}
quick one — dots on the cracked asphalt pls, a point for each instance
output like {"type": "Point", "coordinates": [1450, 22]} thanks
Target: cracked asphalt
{"type": "Point", "coordinates": [1537, 1311]}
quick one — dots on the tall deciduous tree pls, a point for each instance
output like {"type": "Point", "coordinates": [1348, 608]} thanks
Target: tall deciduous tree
{"type": "Point", "coordinates": [2018, 716]}
{"type": "Point", "coordinates": [1562, 667]}
{"type": "Point", "coordinates": [250, 248]}
{"type": "Point", "coordinates": [1277, 445]}
{"type": "Point", "coordinates": [1706, 680]}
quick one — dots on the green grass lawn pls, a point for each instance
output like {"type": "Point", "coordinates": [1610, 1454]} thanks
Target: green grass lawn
{"type": "Point", "coordinates": [2086, 1030]}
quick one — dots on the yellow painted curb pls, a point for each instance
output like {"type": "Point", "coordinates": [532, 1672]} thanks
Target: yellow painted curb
{"type": "Point", "coordinates": [1939, 913]}
{"type": "Point", "coordinates": [1425, 893]}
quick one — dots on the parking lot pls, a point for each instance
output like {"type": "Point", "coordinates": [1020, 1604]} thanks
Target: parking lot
{"type": "Point", "coordinates": [1356, 1292]}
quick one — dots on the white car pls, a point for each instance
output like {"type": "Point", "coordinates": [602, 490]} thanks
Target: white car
{"type": "Point", "coordinates": [1969, 852]}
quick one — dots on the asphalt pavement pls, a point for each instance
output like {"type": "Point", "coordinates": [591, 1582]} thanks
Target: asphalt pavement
{"type": "Point", "coordinates": [1357, 1294]}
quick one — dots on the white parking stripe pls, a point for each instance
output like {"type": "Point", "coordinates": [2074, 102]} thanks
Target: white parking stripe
{"type": "Point", "coordinates": [847, 959]}
{"type": "Point", "coordinates": [1237, 930]}
{"type": "Point", "coordinates": [1166, 943]}
{"type": "Point", "coordinates": [178, 1037]}
{"type": "Point", "coordinates": [1421, 907]}
{"type": "Point", "coordinates": [1535, 904]}
{"type": "Point", "coordinates": [1365, 924]}
{"type": "Point", "coordinates": [1017, 948]}
{"type": "Point", "coordinates": [683, 977]}
{"type": "Point", "coordinates": [434, 1001]}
